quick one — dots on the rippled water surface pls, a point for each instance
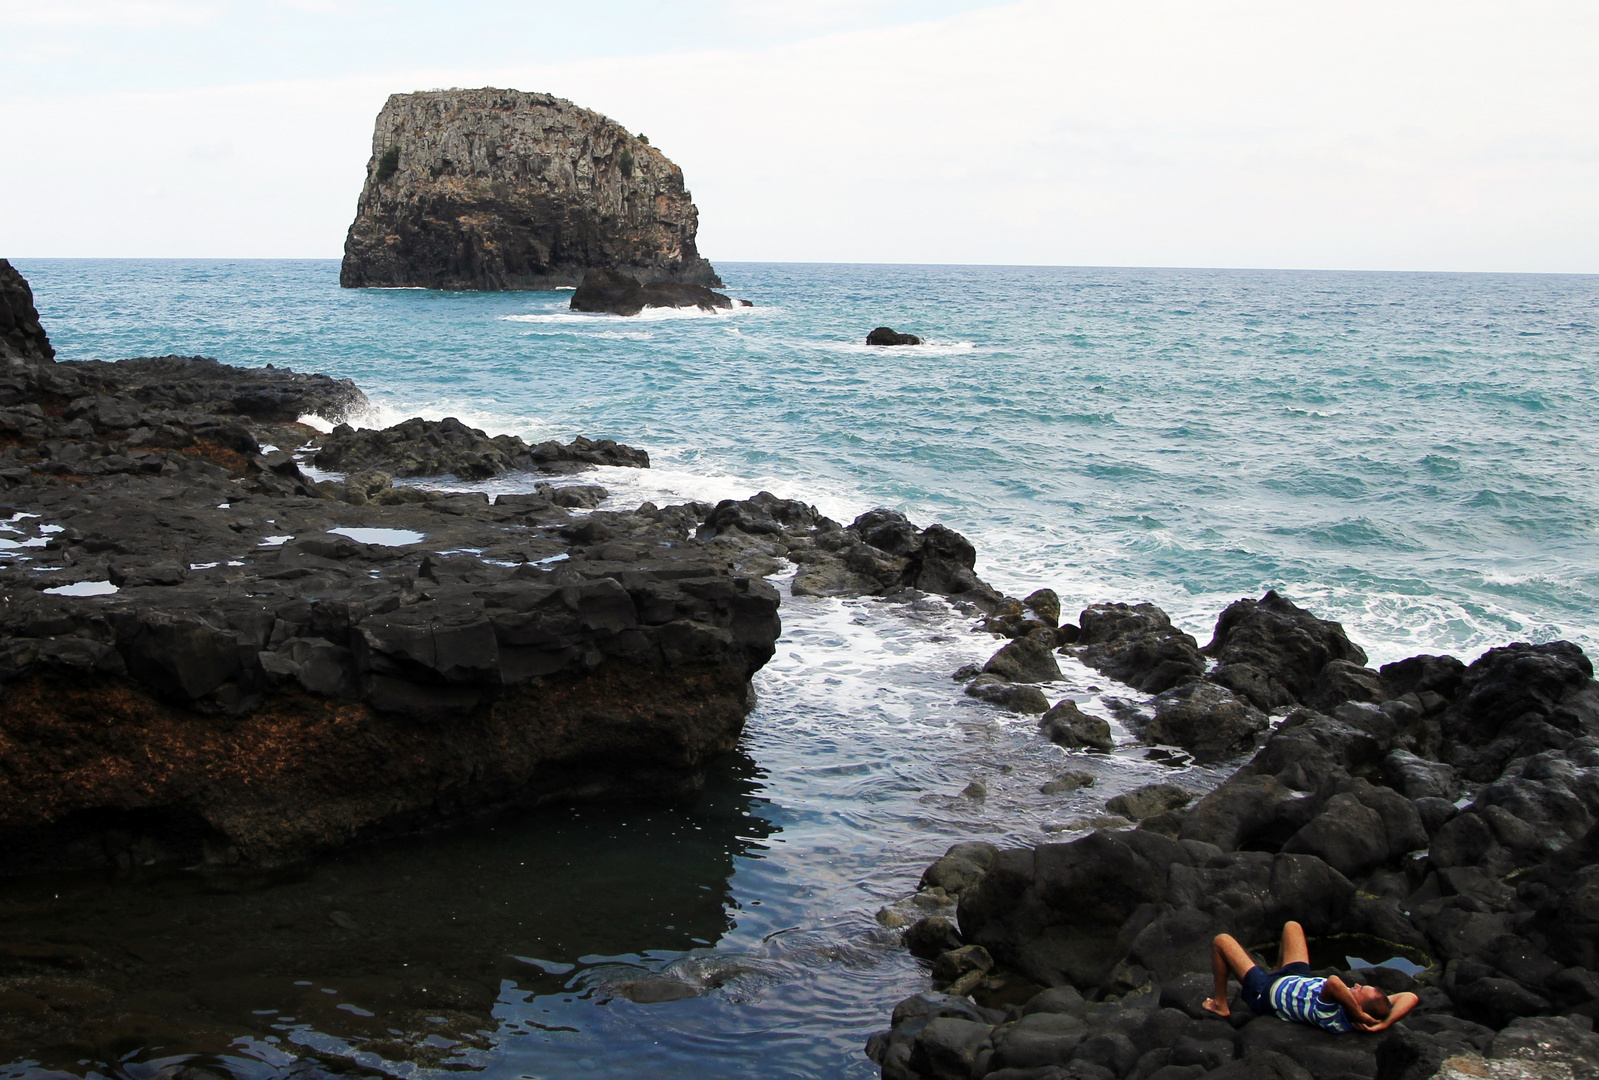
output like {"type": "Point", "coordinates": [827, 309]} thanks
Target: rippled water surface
{"type": "Point", "coordinates": [1411, 454]}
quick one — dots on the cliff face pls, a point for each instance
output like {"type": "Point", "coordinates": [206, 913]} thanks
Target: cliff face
{"type": "Point", "coordinates": [21, 336]}
{"type": "Point", "coordinates": [499, 189]}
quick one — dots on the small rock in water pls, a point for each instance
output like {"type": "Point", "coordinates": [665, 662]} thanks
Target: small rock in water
{"type": "Point", "coordinates": [1067, 781]}
{"type": "Point", "coordinates": [931, 936]}
{"type": "Point", "coordinates": [654, 991]}
{"type": "Point", "coordinates": [967, 671]}
{"type": "Point", "coordinates": [1107, 821]}
{"type": "Point", "coordinates": [1067, 725]}
{"type": "Point", "coordinates": [1149, 800]}
{"type": "Point", "coordinates": [893, 920]}
{"type": "Point", "coordinates": [1026, 660]}
{"type": "Point", "coordinates": [952, 965]}
{"type": "Point", "coordinates": [611, 291]}
{"type": "Point", "coordinates": [996, 691]}
{"type": "Point", "coordinates": [885, 335]}
{"type": "Point", "coordinates": [1045, 604]}
{"type": "Point", "coordinates": [975, 790]}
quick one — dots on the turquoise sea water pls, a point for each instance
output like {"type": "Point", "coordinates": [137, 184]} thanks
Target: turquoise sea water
{"type": "Point", "coordinates": [1411, 454]}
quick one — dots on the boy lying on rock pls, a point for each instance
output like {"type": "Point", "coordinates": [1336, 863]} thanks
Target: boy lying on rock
{"type": "Point", "coordinates": [1293, 993]}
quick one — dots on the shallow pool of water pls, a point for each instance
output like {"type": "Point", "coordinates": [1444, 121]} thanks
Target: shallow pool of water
{"type": "Point", "coordinates": [381, 537]}
{"type": "Point", "coordinates": [732, 938]}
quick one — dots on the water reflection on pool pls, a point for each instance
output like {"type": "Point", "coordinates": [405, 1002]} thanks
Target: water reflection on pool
{"type": "Point", "coordinates": [382, 537]}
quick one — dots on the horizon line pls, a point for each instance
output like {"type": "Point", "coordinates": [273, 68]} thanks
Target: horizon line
{"type": "Point", "coordinates": [833, 262]}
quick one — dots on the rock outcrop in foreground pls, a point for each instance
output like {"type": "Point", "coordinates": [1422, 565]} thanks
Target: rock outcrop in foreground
{"type": "Point", "coordinates": [21, 336]}
{"type": "Point", "coordinates": [1442, 812]}
{"type": "Point", "coordinates": [207, 657]}
{"type": "Point", "coordinates": [499, 189]}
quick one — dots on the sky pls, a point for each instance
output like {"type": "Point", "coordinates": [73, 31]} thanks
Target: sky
{"type": "Point", "coordinates": [1392, 135]}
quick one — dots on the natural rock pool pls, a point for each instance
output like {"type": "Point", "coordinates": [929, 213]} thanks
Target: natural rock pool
{"type": "Point", "coordinates": [733, 936]}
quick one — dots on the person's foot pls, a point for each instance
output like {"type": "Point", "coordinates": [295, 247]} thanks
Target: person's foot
{"type": "Point", "coordinates": [1220, 1008]}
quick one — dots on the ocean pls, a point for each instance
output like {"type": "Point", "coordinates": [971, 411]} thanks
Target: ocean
{"type": "Point", "coordinates": [1410, 454]}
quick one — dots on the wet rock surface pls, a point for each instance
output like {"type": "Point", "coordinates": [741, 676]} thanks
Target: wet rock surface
{"type": "Point", "coordinates": [448, 447]}
{"type": "Point", "coordinates": [261, 686]}
{"type": "Point", "coordinates": [1434, 812]}
{"type": "Point", "coordinates": [615, 293]}
{"type": "Point", "coordinates": [887, 335]}
{"type": "Point", "coordinates": [207, 658]}
{"type": "Point", "coordinates": [1272, 652]}
{"type": "Point", "coordinates": [880, 553]}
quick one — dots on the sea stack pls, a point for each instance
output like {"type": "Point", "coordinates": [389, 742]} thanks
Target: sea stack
{"type": "Point", "coordinates": [499, 189]}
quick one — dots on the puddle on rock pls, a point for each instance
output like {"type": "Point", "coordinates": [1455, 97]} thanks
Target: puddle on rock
{"type": "Point", "coordinates": [381, 537]}
{"type": "Point", "coordinates": [84, 588]}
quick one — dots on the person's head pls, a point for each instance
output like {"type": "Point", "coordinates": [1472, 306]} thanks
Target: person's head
{"type": "Point", "coordinates": [1373, 1001]}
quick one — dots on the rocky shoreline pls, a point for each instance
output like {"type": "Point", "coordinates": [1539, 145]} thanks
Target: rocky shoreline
{"type": "Point", "coordinates": [211, 659]}
{"type": "Point", "coordinates": [1435, 812]}
{"type": "Point", "coordinates": [216, 656]}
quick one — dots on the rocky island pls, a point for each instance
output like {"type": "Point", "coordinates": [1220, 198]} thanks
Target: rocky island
{"type": "Point", "coordinates": [499, 189]}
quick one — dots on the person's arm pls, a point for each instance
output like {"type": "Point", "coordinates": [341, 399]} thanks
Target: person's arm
{"type": "Point", "coordinates": [1398, 1006]}
{"type": "Point", "coordinates": [1335, 989]}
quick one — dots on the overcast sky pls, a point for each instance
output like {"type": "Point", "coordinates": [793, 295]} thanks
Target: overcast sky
{"type": "Point", "coordinates": [1400, 134]}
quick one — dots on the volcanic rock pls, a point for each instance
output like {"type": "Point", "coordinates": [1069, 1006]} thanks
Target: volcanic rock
{"type": "Point", "coordinates": [498, 189]}
{"type": "Point", "coordinates": [1138, 645]}
{"type": "Point", "coordinates": [1008, 695]}
{"type": "Point", "coordinates": [209, 659]}
{"type": "Point", "coordinates": [1271, 652]}
{"type": "Point", "coordinates": [1026, 660]}
{"type": "Point", "coordinates": [615, 293]}
{"type": "Point", "coordinates": [420, 447]}
{"type": "Point", "coordinates": [21, 335]}
{"type": "Point", "coordinates": [1206, 719]}
{"type": "Point", "coordinates": [1343, 823]}
{"type": "Point", "coordinates": [1149, 800]}
{"type": "Point", "coordinates": [1069, 726]}
{"type": "Point", "coordinates": [885, 335]}
{"type": "Point", "coordinates": [1519, 700]}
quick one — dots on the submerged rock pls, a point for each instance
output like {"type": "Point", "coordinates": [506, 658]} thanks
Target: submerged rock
{"type": "Point", "coordinates": [500, 189]}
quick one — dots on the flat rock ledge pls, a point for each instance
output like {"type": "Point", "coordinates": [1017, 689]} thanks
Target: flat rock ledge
{"type": "Point", "coordinates": [208, 658]}
{"type": "Point", "coordinates": [1432, 810]}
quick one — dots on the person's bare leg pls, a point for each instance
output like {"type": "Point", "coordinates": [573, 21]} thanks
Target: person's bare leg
{"type": "Point", "coordinates": [1295, 949]}
{"type": "Point", "coordinates": [1227, 957]}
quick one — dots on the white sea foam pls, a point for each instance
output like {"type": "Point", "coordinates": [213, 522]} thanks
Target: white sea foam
{"type": "Point", "coordinates": [649, 314]}
{"type": "Point", "coordinates": [604, 335]}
